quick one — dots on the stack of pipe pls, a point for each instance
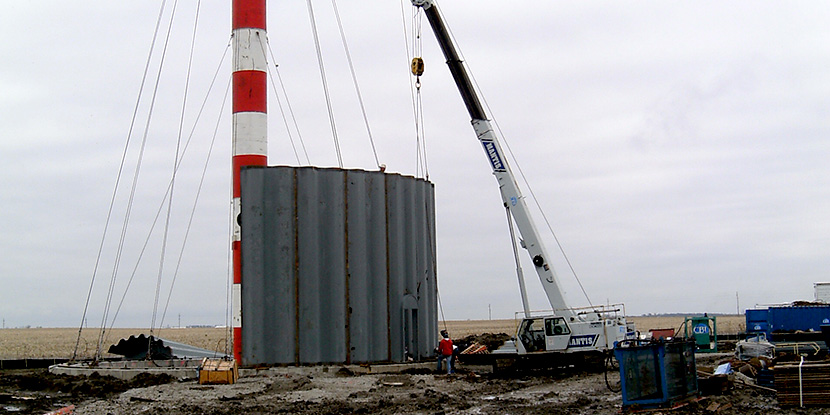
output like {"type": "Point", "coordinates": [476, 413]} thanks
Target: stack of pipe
{"type": "Point", "coordinates": [806, 384]}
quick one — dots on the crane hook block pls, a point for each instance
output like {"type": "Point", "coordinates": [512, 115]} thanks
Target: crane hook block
{"type": "Point", "coordinates": [538, 261]}
{"type": "Point", "coordinates": [417, 66]}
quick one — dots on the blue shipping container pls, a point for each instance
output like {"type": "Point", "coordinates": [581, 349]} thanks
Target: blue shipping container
{"type": "Point", "coordinates": [786, 319]}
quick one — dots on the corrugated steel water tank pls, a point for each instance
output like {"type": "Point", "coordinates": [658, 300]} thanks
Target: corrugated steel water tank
{"type": "Point", "coordinates": [338, 266]}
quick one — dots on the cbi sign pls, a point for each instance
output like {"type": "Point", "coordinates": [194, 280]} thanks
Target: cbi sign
{"type": "Point", "coordinates": [701, 329]}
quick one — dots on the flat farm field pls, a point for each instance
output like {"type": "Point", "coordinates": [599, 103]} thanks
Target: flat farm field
{"type": "Point", "coordinates": [727, 324]}
{"type": "Point", "coordinates": [35, 343]}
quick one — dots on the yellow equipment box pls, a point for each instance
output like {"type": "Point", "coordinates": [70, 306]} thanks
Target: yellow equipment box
{"type": "Point", "coordinates": [218, 372]}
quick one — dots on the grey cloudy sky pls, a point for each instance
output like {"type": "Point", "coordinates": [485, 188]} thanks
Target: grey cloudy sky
{"type": "Point", "coordinates": [679, 149]}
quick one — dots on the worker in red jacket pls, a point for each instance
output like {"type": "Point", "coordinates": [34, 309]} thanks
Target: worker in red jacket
{"type": "Point", "coordinates": [445, 350]}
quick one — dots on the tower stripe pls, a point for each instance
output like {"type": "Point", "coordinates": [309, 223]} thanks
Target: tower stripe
{"type": "Point", "coordinates": [250, 127]}
{"type": "Point", "coordinates": [249, 13]}
{"type": "Point", "coordinates": [249, 91]}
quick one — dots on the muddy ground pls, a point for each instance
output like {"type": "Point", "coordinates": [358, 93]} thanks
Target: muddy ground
{"type": "Point", "coordinates": [35, 391]}
{"type": "Point", "coordinates": [342, 392]}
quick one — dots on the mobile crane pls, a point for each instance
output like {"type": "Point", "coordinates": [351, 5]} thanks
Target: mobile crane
{"type": "Point", "coordinates": [567, 333]}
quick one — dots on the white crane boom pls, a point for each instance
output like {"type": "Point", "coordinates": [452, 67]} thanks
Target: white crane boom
{"type": "Point", "coordinates": [588, 331]}
{"type": "Point", "coordinates": [510, 193]}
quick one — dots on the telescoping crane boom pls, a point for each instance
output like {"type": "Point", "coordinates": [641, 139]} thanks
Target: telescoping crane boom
{"type": "Point", "coordinates": [567, 330]}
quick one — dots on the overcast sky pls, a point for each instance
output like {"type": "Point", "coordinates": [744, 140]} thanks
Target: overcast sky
{"type": "Point", "coordinates": [678, 149]}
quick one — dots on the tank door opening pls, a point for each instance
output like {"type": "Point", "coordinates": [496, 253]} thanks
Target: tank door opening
{"type": "Point", "coordinates": [410, 329]}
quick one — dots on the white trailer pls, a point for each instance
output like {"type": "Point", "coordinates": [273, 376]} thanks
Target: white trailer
{"type": "Point", "coordinates": [822, 292]}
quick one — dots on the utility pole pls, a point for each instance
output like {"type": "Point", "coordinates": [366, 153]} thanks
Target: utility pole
{"type": "Point", "coordinates": [737, 304]}
{"type": "Point", "coordinates": [489, 312]}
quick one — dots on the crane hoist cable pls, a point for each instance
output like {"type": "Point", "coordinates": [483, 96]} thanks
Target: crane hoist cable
{"type": "Point", "coordinates": [522, 174]}
{"type": "Point", "coordinates": [417, 69]}
{"type": "Point", "coordinates": [420, 133]}
{"type": "Point", "coordinates": [412, 48]}
{"type": "Point", "coordinates": [544, 216]}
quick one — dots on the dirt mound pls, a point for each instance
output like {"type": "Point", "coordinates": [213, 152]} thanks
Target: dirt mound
{"type": "Point", "coordinates": [491, 340]}
{"type": "Point", "coordinates": [37, 391]}
{"type": "Point", "coordinates": [94, 385]}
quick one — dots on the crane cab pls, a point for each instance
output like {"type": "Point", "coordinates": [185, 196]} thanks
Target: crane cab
{"type": "Point", "coordinates": [544, 334]}
{"type": "Point", "coordinates": [596, 331]}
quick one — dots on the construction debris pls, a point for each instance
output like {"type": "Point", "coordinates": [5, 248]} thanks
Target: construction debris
{"type": "Point", "coordinates": [63, 411]}
{"type": "Point", "coordinates": [475, 348]}
{"type": "Point", "coordinates": [137, 348]}
{"type": "Point", "coordinates": [717, 407]}
{"type": "Point", "coordinates": [754, 347]}
{"type": "Point", "coordinates": [661, 334]}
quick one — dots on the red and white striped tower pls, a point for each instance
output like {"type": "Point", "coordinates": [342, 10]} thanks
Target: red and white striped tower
{"type": "Point", "coordinates": [250, 130]}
